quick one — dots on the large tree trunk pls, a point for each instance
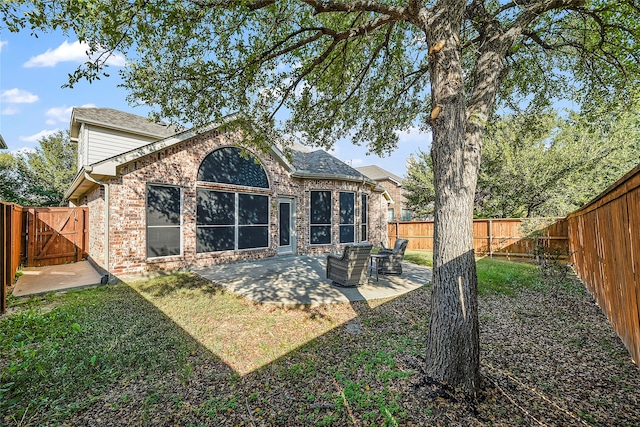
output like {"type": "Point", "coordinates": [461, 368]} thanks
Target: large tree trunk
{"type": "Point", "coordinates": [453, 348]}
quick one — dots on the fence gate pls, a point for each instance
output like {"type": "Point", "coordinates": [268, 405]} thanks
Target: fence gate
{"type": "Point", "coordinates": [55, 235]}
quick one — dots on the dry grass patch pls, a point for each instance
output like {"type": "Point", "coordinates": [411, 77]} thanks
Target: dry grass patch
{"type": "Point", "coordinates": [244, 334]}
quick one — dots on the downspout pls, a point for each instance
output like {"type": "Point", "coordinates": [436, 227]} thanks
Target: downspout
{"type": "Point", "coordinates": [106, 219]}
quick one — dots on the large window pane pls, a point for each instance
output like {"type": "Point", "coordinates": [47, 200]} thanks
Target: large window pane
{"type": "Point", "coordinates": [347, 234]}
{"type": "Point", "coordinates": [229, 166]}
{"type": "Point", "coordinates": [320, 234]}
{"type": "Point", "coordinates": [215, 207]}
{"type": "Point", "coordinates": [253, 237]}
{"type": "Point", "coordinates": [253, 209]}
{"type": "Point", "coordinates": [321, 207]}
{"type": "Point", "coordinates": [163, 241]}
{"type": "Point", "coordinates": [347, 208]}
{"type": "Point", "coordinates": [364, 218]}
{"type": "Point", "coordinates": [212, 239]}
{"type": "Point", "coordinates": [163, 205]}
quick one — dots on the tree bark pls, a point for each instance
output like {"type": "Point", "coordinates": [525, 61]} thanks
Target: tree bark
{"type": "Point", "coordinates": [453, 350]}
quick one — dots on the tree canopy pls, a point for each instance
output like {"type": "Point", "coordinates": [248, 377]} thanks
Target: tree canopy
{"type": "Point", "coordinates": [343, 68]}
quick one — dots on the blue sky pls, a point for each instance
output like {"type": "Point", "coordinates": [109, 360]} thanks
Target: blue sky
{"type": "Point", "coordinates": [33, 104]}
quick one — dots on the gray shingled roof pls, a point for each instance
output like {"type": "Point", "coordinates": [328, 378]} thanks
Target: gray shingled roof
{"type": "Point", "coordinates": [115, 119]}
{"type": "Point", "coordinates": [378, 174]}
{"type": "Point", "coordinates": [321, 162]}
{"type": "Point", "coordinates": [2, 143]}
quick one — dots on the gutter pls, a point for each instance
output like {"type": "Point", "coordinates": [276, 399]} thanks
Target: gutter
{"type": "Point", "coordinates": [325, 176]}
{"type": "Point", "coordinates": [87, 175]}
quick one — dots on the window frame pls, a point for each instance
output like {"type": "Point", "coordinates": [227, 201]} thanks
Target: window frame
{"type": "Point", "coordinates": [179, 226]}
{"type": "Point", "coordinates": [364, 217]}
{"type": "Point", "coordinates": [352, 225]}
{"type": "Point", "coordinates": [236, 221]}
{"type": "Point", "coordinates": [312, 224]}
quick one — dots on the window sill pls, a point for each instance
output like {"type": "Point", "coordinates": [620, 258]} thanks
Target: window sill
{"type": "Point", "coordinates": [170, 258]}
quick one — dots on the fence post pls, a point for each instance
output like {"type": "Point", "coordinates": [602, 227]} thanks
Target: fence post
{"type": "Point", "coordinates": [490, 238]}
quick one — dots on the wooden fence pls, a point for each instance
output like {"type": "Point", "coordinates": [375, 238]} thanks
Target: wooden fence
{"type": "Point", "coordinates": [11, 239]}
{"type": "Point", "coordinates": [39, 236]}
{"type": "Point", "coordinates": [493, 237]}
{"type": "Point", "coordinates": [604, 238]}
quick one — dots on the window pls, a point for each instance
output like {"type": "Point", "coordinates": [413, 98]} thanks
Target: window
{"type": "Point", "coordinates": [164, 221]}
{"type": "Point", "coordinates": [230, 165]}
{"type": "Point", "coordinates": [347, 218]}
{"type": "Point", "coordinates": [230, 221]}
{"type": "Point", "coordinates": [390, 215]}
{"type": "Point", "coordinates": [320, 212]}
{"type": "Point", "coordinates": [364, 213]}
{"type": "Point", "coordinates": [406, 215]}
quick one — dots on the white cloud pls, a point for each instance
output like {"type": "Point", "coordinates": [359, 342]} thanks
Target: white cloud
{"type": "Point", "coordinates": [415, 136]}
{"type": "Point", "coordinates": [18, 96]}
{"type": "Point", "coordinates": [10, 110]}
{"type": "Point", "coordinates": [68, 52]}
{"type": "Point", "coordinates": [3, 43]}
{"type": "Point", "coordinates": [38, 136]}
{"type": "Point", "coordinates": [61, 114]}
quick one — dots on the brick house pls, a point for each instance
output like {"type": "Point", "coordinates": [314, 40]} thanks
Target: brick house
{"type": "Point", "coordinates": [392, 183]}
{"type": "Point", "coordinates": [162, 200]}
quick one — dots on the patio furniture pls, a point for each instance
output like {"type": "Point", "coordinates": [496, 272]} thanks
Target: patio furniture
{"type": "Point", "coordinates": [374, 261]}
{"type": "Point", "coordinates": [350, 268]}
{"type": "Point", "coordinates": [392, 264]}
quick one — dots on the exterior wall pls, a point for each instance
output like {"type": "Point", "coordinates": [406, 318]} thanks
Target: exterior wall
{"type": "Point", "coordinates": [106, 143]}
{"type": "Point", "coordinates": [178, 165]}
{"type": "Point", "coordinates": [95, 202]}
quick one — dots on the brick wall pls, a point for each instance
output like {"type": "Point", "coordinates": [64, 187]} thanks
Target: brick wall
{"type": "Point", "coordinates": [178, 165]}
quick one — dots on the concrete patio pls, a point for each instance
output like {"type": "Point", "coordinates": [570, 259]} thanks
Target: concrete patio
{"type": "Point", "coordinates": [53, 278]}
{"type": "Point", "coordinates": [293, 280]}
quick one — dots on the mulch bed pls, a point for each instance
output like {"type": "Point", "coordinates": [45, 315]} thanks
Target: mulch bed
{"type": "Point", "coordinates": [549, 357]}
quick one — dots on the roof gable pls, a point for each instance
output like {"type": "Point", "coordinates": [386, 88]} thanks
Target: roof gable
{"type": "Point", "coordinates": [119, 120]}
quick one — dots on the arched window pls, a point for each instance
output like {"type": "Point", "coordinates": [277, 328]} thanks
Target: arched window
{"type": "Point", "coordinates": [229, 166]}
{"type": "Point", "coordinates": [228, 220]}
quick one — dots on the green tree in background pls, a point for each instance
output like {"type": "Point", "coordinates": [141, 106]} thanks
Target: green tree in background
{"type": "Point", "coordinates": [13, 184]}
{"type": "Point", "coordinates": [50, 168]}
{"type": "Point", "coordinates": [39, 177]}
{"type": "Point", "coordinates": [540, 165]}
{"type": "Point", "coordinates": [418, 184]}
{"type": "Point", "coordinates": [365, 69]}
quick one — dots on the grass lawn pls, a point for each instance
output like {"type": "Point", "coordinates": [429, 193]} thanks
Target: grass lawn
{"type": "Point", "coordinates": [178, 350]}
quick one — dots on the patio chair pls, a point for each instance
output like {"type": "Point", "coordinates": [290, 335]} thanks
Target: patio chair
{"type": "Point", "coordinates": [350, 269]}
{"type": "Point", "coordinates": [392, 264]}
